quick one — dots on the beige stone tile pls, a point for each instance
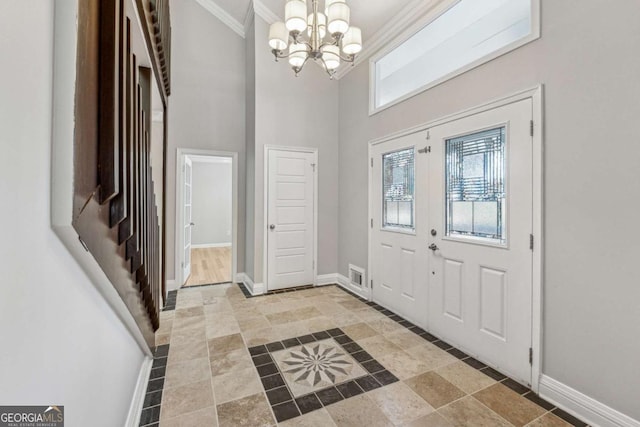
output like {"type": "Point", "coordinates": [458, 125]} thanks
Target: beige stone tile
{"type": "Point", "coordinates": [358, 411]}
{"type": "Point", "coordinates": [378, 346]}
{"type": "Point", "coordinates": [250, 411]}
{"type": "Point", "coordinates": [432, 420]}
{"type": "Point", "coordinates": [434, 389]}
{"type": "Point", "coordinates": [182, 313]}
{"type": "Point", "coordinates": [465, 377]}
{"type": "Point", "coordinates": [217, 318]}
{"type": "Point", "coordinates": [290, 330]}
{"type": "Point", "coordinates": [345, 319]}
{"type": "Point", "coordinates": [190, 371]}
{"type": "Point", "coordinates": [386, 325]}
{"type": "Point", "coordinates": [319, 418]}
{"type": "Point", "coordinates": [359, 331]}
{"type": "Point", "coordinates": [204, 417]}
{"type": "Point", "coordinates": [255, 337]}
{"type": "Point", "coordinates": [369, 314]}
{"type": "Point", "coordinates": [188, 351]}
{"type": "Point", "coordinates": [254, 322]}
{"type": "Point", "coordinates": [216, 304]}
{"type": "Point", "coordinates": [321, 323]}
{"type": "Point", "coordinates": [165, 327]}
{"type": "Point", "coordinates": [185, 323]}
{"type": "Point", "coordinates": [509, 404]}
{"type": "Point", "coordinates": [187, 398]}
{"type": "Point", "coordinates": [162, 339]}
{"type": "Point", "coordinates": [229, 362]}
{"type": "Point", "coordinates": [225, 344]}
{"type": "Point", "coordinates": [236, 384]}
{"type": "Point", "coordinates": [431, 355]}
{"type": "Point", "coordinates": [187, 336]}
{"type": "Point", "coordinates": [403, 365]}
{"type": "Point", "coordinates": [399, 403]}
{"type": "Point", "coordinates": [468, 412]}
{"type": "Point", "coordinates": [222, 329]}
{"type": "Point", "coordinates": [405, 339]}
{"type": "Point", "coordinates": [353, 304]}
{"type": "Point", "coordinates": [296, 315]}
{"type": "Point", "coordinates": [167, 315]}
{"type": "Point", "coordinates": [548, 420]}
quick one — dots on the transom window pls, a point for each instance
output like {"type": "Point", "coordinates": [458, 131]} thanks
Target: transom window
{"type": "Point", "coordinates": [475, 186]}
{"type": "Point", "coordinates": [468, 34]}
{"type": "Point", "coordinates": [398, 189]}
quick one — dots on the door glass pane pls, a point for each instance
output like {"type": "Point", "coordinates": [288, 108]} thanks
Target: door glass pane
{"type": "Point", "coordinates": [398, 189]}
{"type": "Point", "coordinates": [475, 186]}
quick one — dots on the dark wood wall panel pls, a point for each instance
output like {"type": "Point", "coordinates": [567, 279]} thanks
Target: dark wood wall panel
{"type": "Point", "coordinates": [115, 211]}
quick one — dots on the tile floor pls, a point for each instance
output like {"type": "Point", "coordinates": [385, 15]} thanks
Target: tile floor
{"type": "Point", "coordinates": [227, 349]}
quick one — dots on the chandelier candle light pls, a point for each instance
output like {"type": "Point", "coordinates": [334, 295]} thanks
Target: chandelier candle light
{"type": "Point", "coordinates": [327, 33]}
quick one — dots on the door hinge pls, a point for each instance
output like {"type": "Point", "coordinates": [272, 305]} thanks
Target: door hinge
{"type": "Point", "coordinates": [530, 356]}
{"type": "Point", "coordinates": [182, 264]}
{"type": "Point", "coordinates": [371, 283]}
{"type": "Point", "coordinates": [425, 150]}
{"type": "Point", "coordinates": [371, 222]}
{"type": "Point", "coordinates": [531, 127]}
{"type": "Point", "coordinates": [372, 162]}
{"type": "Point", "coordinates": [531, 241]}
{"type": "Point", "coordinates": [313, 264]}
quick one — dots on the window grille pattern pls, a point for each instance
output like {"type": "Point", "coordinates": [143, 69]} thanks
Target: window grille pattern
{"type": "Point", "coordinates": [475, 186]}
{"type": "Point", "coordinates": [398, 169]}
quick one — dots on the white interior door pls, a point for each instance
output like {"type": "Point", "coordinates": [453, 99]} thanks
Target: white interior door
{"type": "Point", "coordinates": [398, 229]}
{"type": "Point", "coordinates": [480, 190]}
{"type": "Point", "coordinates": [187, 222]}
{"type": "Point", "coordinates": [290, 218]}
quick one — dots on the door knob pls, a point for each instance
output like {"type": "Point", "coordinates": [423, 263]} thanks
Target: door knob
{"type": "Point", "coordinates": [272, 227]}
{"type": "Point", "coordinates": [433, 247]}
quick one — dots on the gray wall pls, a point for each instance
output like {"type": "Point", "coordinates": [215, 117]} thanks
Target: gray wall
{"type": "Point", "coordinates": [250, 106]}
{"type": "Point", "coordinates": [60, 338]}
{"type": "Point", "coordinates": [588, 61]}
{"type": "Point", "coordinates": [212, 203]}
{"type": "Point", "coordinates": [207, 103]}
{"type": "Point", "coordinates": [299, 112]}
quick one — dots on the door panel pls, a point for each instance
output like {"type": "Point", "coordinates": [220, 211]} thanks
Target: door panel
{"type": "Point", "coordinates": [480, 191]}
{"type": "Point", "coordinates": [290, 218]}
{"type": "Point", "coordinates": [398, 249]}
{"type": "Point", "coordinates": [186, 267]}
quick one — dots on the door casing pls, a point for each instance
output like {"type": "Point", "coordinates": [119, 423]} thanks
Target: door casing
{"type": "Point", "coordinates": [536, 94]}
{"type": "Point", "coordinates": [265, 246]}
{"type": "Point", "coordinates": [179, 232]}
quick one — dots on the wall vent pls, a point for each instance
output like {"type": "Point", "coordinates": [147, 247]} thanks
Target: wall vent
{"type": "Point", "coordinates": [357, 276]}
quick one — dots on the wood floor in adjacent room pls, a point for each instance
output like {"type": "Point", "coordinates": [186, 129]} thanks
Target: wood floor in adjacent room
{"type": "Point", "coordinates": [210, 265]}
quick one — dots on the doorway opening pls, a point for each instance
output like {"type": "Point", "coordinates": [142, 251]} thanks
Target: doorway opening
{"type": "Point", "coordinates": [206, 220]}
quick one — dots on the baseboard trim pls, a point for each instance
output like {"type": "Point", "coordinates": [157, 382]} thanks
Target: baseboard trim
{"type": "Point", "coordinates": [172, 285]}
{"type": "Point", "coordinates": [582, 406]}
{"type": "Point", "coordinates": [327, 279]}
{"type": "Point", "coordinates": [254, 288]}
{"type": "Point", "coordinates": [137, 401]}
{"type": "Point", "coordinates": [211, 245]}
{"type": "Point", "coordinates": [346, 283]}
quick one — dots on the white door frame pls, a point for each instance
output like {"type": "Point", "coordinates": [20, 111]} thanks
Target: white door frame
{"type": "Point", "coordinates": [536, 95]}
{"type": "Point", "coordinates": [265, 247]}
{"type": "Point", "coordinates": [179, 235]}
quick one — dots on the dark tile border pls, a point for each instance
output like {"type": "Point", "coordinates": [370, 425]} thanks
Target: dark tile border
{"type": "Point", "coordinates": [282, 402]}
{"type": "Point", "coordinates": [170, 303]}
{"type": "Point", "coordinates": [150, 415]}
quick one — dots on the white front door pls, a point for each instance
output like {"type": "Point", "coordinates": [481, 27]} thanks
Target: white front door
{"type": "Point", "coordinates": [398, 229]}
{"type": "Point", "coordinates": [480, 191]}
{"type": "Point", "coordinates": [290, 218]}
{"type": "Point", "coordinates": [187, 224]}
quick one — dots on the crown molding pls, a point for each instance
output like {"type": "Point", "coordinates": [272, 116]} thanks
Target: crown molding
{"type": "Point", "coordinates": [213, 8]}
{"type": "Point", "coordinates": [248, 17]}
{"type": "Point", "coordinates": [392, 29]}
{"type": "Point", "coordinates": [264, 12]}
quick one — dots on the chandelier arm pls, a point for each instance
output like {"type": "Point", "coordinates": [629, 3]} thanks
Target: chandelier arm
{"type": "Point", "coordinates": [326, 69]}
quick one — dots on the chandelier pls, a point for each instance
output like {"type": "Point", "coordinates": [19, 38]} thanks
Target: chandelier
{"type": "Point", "coordinates": [330, 40]}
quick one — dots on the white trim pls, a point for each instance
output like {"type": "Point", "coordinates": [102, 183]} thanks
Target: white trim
{"type": "Point", "coordinates": [536, 95]}
{"type": "Point", "coordinates": [327, 279]}
{"type": "Point", "coordinates": [265, 13]}
{"type": "Point", "coordinates": [254, 288]}
{"type": "Point", "coordinates": [346, 283]}
{"type": "Point", "coordinates": [265, 200]}
{"type": "Point", "coordinates": [426, 20]}
{"type": "Point", "coordinates": [137, 401]}
{"type": "Point", "coordinates": [157, 116]}
{"type": "Point", "coordinates": [179, 229]}
{"type": "Point", "coordinates": [211, 245]}
{"type": "Point", "coordinates": [63, 127]}
{"type": "Point", "coordinates": [582, 406]}
{"type": "Point", "coordinates": [217, 11]}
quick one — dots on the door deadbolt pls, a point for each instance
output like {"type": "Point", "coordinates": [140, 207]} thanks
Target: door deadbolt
{"type": "Point", "coordinates": [272, 227]}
